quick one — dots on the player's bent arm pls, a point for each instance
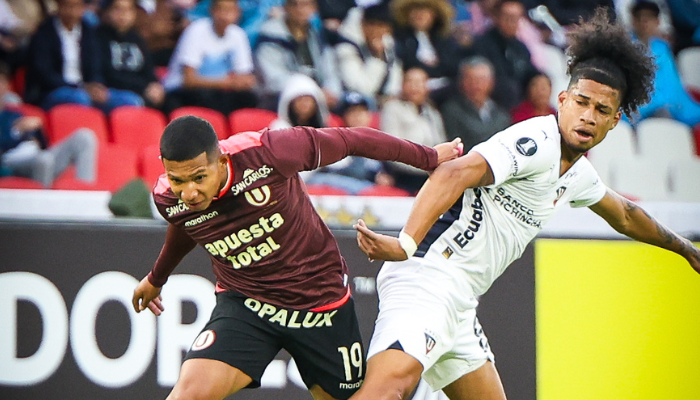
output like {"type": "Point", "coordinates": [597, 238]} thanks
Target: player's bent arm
{"type": "Point", "coordinates": [631, 220]}
{"type": "Point", "coordinates": [438, 194]}
{"type": "Point", "coordinates": [443, 188]}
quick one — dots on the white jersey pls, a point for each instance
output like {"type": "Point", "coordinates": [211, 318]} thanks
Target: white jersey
{"type": "Point", "coordinates": [211, 55]}
{"type": "Point", "coordinates": [489, 227]}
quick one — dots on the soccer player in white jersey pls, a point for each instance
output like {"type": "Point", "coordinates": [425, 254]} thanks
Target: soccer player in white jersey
{"type": "Point", "coordinates": [476, 214]}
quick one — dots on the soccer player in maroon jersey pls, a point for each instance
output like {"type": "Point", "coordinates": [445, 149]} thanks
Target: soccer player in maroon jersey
{"type": "Point", "coordinates": [281, 281]}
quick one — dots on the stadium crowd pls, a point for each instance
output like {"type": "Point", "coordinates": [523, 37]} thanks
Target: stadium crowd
{"type": "Point", "coordinates": [424, 70]}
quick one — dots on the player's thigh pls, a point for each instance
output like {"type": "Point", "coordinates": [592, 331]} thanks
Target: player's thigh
{"type": "Point", "coordinates": [469, 352]}
{"type": "Point", "coordinates": [481, 384]}
{"type": "Point", "coordinates": [238, 337]}
{"type": "Point", "coordinates": [205, 379]}
{"type": "Point", "coordinates": [329, 353]}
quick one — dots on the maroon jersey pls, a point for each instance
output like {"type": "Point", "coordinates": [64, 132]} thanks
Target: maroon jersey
{"type": "Point", "coordinates": [262, 233]}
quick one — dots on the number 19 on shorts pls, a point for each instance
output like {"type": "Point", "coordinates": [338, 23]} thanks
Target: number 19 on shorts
{"type": "Point", "coordinates": [352, 360]}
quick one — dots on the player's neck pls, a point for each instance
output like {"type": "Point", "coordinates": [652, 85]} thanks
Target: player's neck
{"type": "Point", "coordinates": [568, 158]}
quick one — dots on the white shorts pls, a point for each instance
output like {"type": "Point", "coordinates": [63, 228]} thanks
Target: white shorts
{"type": "Point", "coordinates": [432, 319]}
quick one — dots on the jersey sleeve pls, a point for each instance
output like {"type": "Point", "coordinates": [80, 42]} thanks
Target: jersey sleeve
{"type": "Point", "coordinates": [517, 152]}
{"type": "Point", "coordinates": [304, 148]}
{"type": "Point", "coordinates": [591, 188]}
{"type": "Point", "coordinates": [177, 245]}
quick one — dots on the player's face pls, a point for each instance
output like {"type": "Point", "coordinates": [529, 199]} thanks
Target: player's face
{"type": "Point", "coordinates": [587, 111]}
{"type": "Point", "coordinates": [197, 181]}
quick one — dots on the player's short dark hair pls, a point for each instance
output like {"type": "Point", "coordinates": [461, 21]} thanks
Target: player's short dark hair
{"type": "Point", "coordinates": [602, 51]}
{"type": "Point", "coordinates": [187, 137]}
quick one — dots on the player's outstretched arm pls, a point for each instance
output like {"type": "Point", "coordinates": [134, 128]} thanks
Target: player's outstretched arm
{"type": "Point", "coordinates": [438, 194]}
{"type": "Point", "coordinates": [338, 143]}
{"type": "Point", "coordinates": [629, 219]}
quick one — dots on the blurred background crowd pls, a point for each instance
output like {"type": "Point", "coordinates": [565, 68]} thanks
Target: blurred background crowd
{"type": "Point", "coordinates": [83, 81]}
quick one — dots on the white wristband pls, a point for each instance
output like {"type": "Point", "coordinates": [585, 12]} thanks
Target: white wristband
{"type": "Point", "coordinates": [407, 243]}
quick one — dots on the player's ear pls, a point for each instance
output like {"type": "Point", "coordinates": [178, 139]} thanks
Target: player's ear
{"type": "Point", "coordinates": [223, 160]}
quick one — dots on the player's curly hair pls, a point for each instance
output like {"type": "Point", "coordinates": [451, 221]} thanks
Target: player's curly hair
{"type": "Point", "coordinates": [604, 52]}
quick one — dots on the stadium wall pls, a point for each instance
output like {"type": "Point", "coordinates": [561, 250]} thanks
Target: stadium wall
{"type": "Point", "coordinates": [606, 311]}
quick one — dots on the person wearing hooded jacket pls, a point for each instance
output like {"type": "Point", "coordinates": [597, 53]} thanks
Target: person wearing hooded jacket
{"type": "Point", "coordinates": [302, 102]}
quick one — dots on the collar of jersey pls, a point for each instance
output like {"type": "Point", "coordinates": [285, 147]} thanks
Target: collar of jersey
{"type": "Point", "coordinates": [229, 180]}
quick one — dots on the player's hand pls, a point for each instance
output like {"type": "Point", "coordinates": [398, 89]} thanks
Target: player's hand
{"type": "Point", "coordinates": [147, 296]}
{"type": "Point", "coordinates": [378, 246]}
{"type": "Point", "coordinates": [449, 150]}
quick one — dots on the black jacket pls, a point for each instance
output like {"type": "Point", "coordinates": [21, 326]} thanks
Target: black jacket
{"type": "Point", "coordinates": [45, 61]}
{"type": "Point", "coordinates": [448, 52]}
{"type": "Point", "coordinates": [125, 60]}
{"type": "Point", "coordinates": [512, 65]}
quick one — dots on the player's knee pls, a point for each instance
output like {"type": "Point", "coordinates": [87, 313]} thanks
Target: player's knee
{"type": "Point", "coordinates": [394, 385]}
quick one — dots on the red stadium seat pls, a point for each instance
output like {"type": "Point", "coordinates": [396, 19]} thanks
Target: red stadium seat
{"type": "Point", "coordinates": [64, 119]}
{"type": "Point", "coordinates": [335, 121]}
{"type": "Point", "coordinates": [150, 165]}
{"type": "Point", "coordinates": [116, 166]}
{"type": "Point", "coordinates": [16, 182]}
{"type": "Point", "coordinates": [325, 190]}
{"type": "Point", "coordinates": [381, 190]}
{"type": "Point", "coordinates": [136, 127]}
{"type": "Point", "coordinates": [215, 118]}
{"type": "Point", "coordinates": [696, 136]}
{"type": "Point", "coordinates": [250, 119]}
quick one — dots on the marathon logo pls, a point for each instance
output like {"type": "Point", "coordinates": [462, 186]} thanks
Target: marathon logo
{"type": "Point", "coordinates": [290, 318]}
{"type": "Point", "coordinates": [355, 385]}
{"type": "Point", "coordinates": [463, 238]}
{"type": "Point", "coordinates": [516, 208]}
{"type": "Point", "coordinates": [201, 218]}
{"type": "Point", "coordinates": [176, 209]}
{"type": "Point", "coordinates": [252, 253]}
{"type": "Point", "coordinates": [250, 177]}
